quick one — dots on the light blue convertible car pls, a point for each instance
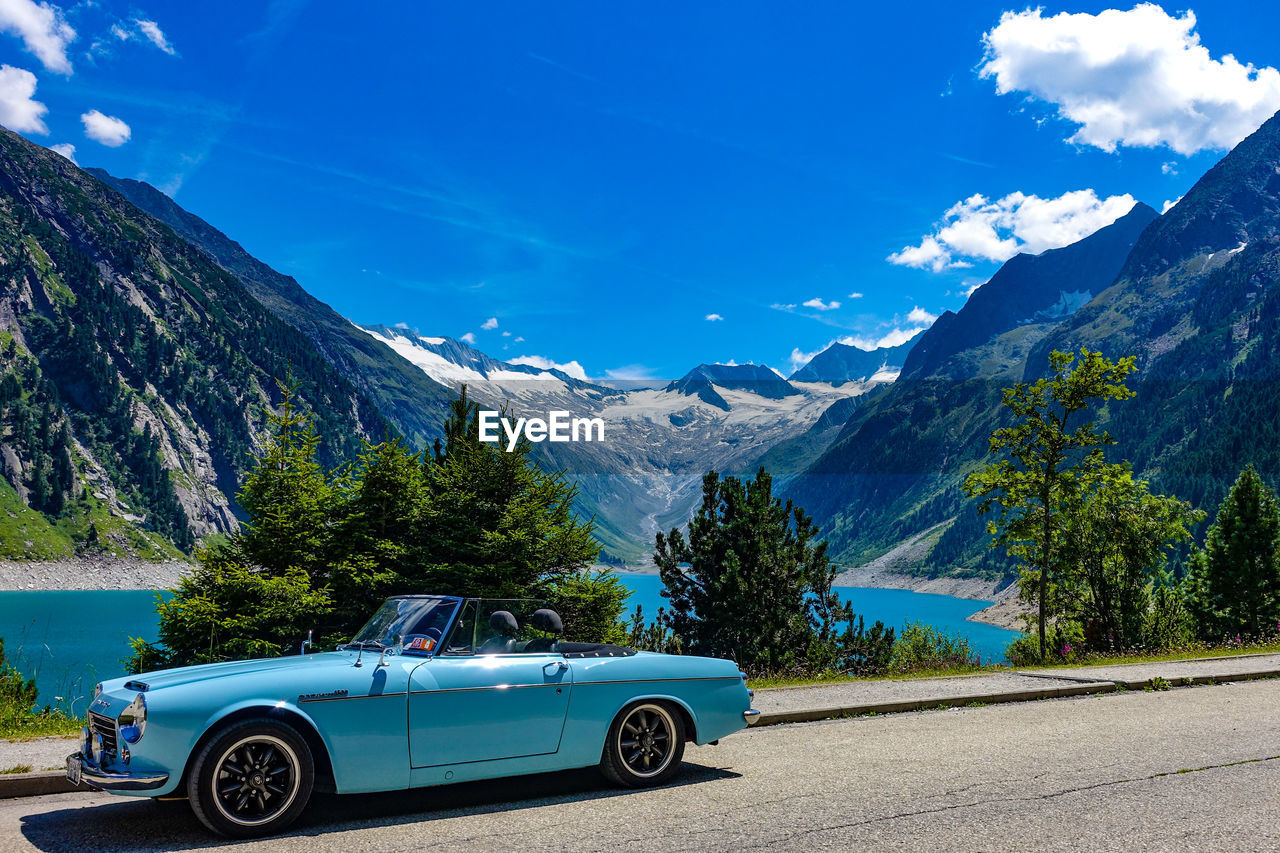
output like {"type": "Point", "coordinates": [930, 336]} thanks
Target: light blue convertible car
{"type": "Point", "coordinates": [433, 690]}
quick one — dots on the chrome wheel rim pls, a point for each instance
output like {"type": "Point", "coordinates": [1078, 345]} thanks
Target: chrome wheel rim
{"type": "Point", "coordinates": [645, 740]}
{"type": "Point", "coordinates": [256, 780]}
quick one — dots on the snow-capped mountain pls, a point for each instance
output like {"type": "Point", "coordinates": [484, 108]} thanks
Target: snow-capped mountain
{"type": "Point", "coordinates": [646, 474]}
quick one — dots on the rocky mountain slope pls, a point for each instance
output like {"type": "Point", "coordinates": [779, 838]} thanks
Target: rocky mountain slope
{"type": "Point", "coordinates": [135, 372]}
{"type": "Point", "coordinates": [407, 397]}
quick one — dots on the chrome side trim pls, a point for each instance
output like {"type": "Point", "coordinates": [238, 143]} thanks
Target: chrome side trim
{"type": "Point", "coordinates": [560, 684]}
{"type": "Point", "coordinates": [657, 680]}
{"type": "Point", "coordinates": [107, 780]}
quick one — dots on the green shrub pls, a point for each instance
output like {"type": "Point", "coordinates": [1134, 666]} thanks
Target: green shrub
{"type": "Point", "coordinates": [1065, 641]}
{"type": "Point", "coordinates": [864, 652]}
{"type": "Point", "coordinates": [922, 647]}
{"type": "Point", "coordinates": [591, 606]}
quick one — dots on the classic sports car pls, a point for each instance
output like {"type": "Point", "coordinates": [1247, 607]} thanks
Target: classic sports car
{"type": "Point", "coordinates": [433, 690]}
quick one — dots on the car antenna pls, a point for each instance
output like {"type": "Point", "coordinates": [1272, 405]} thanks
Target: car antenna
{"type": "Point", "coordinates": [359, 654]}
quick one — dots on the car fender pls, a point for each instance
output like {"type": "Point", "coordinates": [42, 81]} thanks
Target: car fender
{"type": "Point", "coordinates": [690, 718]}
{"type": "Point", "coordinates": [267, 707]}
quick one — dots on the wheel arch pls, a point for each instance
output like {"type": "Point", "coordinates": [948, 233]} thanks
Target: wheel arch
{"type": "Point", "coordinates": [687, 716]}
{"type": "Point", "coordinates": [295, 719]}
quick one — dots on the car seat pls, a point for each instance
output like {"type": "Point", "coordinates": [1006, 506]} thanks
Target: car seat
{"type": "Point", "coordinates": [548, 621]}
{"type": "Point", "coordinates": [506, 627]}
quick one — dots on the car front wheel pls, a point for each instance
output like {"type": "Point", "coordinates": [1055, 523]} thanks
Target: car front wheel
{"type": "Point", "coordinates": [253, 779]}
{"type": "Point", "coordinates": [645, 745]}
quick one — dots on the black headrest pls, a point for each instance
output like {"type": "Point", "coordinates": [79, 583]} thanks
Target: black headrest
{"type": "Point", "coordinates": [547, 620]}
{"type": "Point", "coordinates": [504, 623]}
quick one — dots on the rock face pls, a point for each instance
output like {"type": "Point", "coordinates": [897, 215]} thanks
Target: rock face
{"type": "Point", "coordinates": [1195, 300]}
{"type": "Point", "coordinates": [136, 371]}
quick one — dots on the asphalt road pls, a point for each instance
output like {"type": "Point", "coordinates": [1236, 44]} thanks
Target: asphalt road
{"type": "Point", "coordinates": [1188, 769]}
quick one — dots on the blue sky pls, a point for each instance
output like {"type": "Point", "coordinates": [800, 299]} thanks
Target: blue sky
{"type": "Point", "coordinates": [600, 179]}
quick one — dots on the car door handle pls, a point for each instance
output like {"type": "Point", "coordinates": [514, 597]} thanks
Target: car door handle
{"type": "Point", "coordinates": [559, 666]}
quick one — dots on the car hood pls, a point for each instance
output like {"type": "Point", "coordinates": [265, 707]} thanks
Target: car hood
{"type": "Point", "coordinates": [204, 672]}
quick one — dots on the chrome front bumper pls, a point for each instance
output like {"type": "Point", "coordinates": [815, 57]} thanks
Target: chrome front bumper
{"type": "Point", "coordinates": [82, 769]}
{"type": "Point", "coordinates": [750, 715]}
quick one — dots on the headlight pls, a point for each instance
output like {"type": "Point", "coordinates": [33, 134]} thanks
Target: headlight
{"type": "Point", "coordinates": [133, 720]}
{"type": "Point", "coordinates": [97, 690]}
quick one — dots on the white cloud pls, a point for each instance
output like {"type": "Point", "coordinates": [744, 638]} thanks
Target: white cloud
{"type": "Point", "coordinates": [630, 371]}
{"type": "Point", "coordinates": [799, 358]}
{"type": "Point", "coordinates": [855, 295]}
{"type": "Point", "coordinates": [1139, 78]}
{"type": "Point", "coordinates": [402, 325]}
{"type": "Point", "coordinates": [491, 323]}
{"type": "Point", "coordinates": [1170, 168]}
{"type": "Point", "coordinates": [17, 109]}
{"type": "Point", "coordinates": [1168, 203]}
{"type": "Point", "coordinates": [980, 229]}
{"type": "Point", "coordinates": [109, 130]}
{"type": "Point", "coordinates": [469, 338]}
{"type": "Point", "coordinates": [66, 149]}
{"type": "Point", "coordinates": [969, 291]}
{"type": "Point", "coordinates": [153, 33]}
{"type": "Point", "coordinates": [892, 338]}
{"type": "Point", "coordinates": [714, 318]}
{"type": "Point", "coordinates": [506, 334]}
{"type": "Point", "coordinates": [139, 29]}
{"type": "Point", "coordinates": [921, 317]}
{"type": "Point", "coordinates": [820, 305]}
{"type": "Point", "coordinates": [43, 30]}
{"type": "Point", "coordinates": [572, 368]}
{"type": "Point", "coordinates": [520, 339]}
{"type": "Point", "coordinates": [778, 306]}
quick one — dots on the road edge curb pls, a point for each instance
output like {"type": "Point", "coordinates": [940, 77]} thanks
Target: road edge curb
{"type": "Point", "coordinates": [808, 715]}
{"type": "Point", "coordinates": [13, 785]}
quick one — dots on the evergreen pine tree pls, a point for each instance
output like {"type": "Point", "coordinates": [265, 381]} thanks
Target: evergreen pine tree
{"type": "Point", "coordinates": [1235, 579]}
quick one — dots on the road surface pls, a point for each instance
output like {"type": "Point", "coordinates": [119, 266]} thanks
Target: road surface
{"type": "Point", "coordinates": [1187, 769]}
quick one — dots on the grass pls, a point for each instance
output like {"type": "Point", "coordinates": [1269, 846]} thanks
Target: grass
{"type": "Point", "coordinates": [21, 768]}
{"type": "Point", "coordinates": [1197, 652]}
{"type": "Point", "coordinates": [817, 680]}
{"type": "Point", "coordinates": [1194, 653]}
{"type": "Point", "coordinates": [18, 725]}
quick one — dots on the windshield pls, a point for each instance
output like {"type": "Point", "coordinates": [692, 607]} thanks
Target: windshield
{"type": "Point", "coordinates": [408, 625]}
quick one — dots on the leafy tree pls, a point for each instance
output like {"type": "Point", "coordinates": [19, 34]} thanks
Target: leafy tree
{"type": "Point", "coordinates": [1046, 455]}
{"type": "Point", "coordinates": [750, 582]}
{"type": "Point", "coordinates": [1235, 578]}
{"type": "Point", "coordinates": [1116, 539]}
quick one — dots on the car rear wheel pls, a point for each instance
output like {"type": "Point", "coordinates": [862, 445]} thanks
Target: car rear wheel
{"type": "Point", "coordinates": [253, 779]}
{"type": "Point", "coordinates": [645, 745]}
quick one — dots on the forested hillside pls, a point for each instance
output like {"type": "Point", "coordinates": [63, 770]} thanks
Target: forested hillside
{"type": "Point", "coordinates": [136, 372]}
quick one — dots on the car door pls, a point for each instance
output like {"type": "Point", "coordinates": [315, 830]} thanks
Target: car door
{"type": "Point", "coordinates": [483, 707]}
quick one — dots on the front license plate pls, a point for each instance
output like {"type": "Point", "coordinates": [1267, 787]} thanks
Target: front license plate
{"type": "Point", "coordinates": [74, 770]}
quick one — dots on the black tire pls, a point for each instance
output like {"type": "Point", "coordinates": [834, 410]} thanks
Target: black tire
{"type": "Point", "coordinates": [645, 745]}
{"type": "Point", "coordinates": [253, 779]}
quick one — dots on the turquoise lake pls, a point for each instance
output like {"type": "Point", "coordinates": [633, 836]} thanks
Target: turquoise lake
{"type": "Point", "coordinates": [71, 640]}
